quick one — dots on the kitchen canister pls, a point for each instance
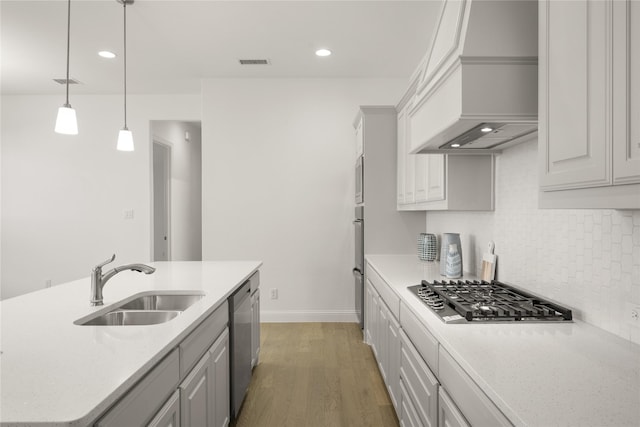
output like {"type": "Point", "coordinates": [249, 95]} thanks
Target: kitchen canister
{"type": "Point", "coordinates": [427, 247]}
{"type": "Point", "coordinates": [449, 239]}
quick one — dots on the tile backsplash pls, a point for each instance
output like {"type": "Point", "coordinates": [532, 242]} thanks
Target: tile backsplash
{"type": "Point", "coordinates": [587, 259]}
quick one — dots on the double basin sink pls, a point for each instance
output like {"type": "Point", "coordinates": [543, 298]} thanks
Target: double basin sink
{"type": "Point", "coordinates": [145, 309]}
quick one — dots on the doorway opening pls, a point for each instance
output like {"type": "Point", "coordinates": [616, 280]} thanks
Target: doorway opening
{"type": "Point", "coordinates": [161, 201]}
{"type": "Point", "coordinates": [176, 191]}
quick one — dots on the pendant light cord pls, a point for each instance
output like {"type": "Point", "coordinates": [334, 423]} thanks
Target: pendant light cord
{"type": "Point", "coordinates": [125, 63]}
{"type": "Point", "coordinates": [68, 46]}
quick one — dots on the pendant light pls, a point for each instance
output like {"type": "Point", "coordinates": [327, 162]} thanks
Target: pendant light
{"type": "Point", "coordinates": [66, 122]}
{"type": "Point", "coordinates": [125, 137]}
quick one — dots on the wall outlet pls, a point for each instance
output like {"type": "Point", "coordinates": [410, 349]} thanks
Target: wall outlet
{"type": "Point", "coordinates": [274, 293]}
{"type": "Point", "coordinates": [128, 214]}
{"type": "Point", "coordinates": [47, 283]}
{"type": "Point", "coordinates": [632, 312]}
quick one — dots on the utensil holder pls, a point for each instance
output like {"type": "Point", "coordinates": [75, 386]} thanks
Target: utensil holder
{"type": "Point", "coordinates": [427, 247]}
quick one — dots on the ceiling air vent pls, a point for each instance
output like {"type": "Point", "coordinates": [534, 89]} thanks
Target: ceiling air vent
{"type": "Point", "coordinates": [64, 81]}
{"type": "Point", "coordinates": [254, 62]}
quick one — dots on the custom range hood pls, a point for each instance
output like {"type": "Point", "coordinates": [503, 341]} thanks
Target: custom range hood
{"type": "Point", "coordinates": [477, 90]}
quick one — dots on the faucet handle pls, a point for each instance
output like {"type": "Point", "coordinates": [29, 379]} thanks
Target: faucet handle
{"type": "Point", "coordinates": [99, 266]}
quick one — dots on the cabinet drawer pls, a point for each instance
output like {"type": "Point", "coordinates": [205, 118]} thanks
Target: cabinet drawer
{"type": "Point", "coordinates": [143, 401]}
{"type": "Point", "coordinates": [422, 339]}
{"type": "Point", "coordinates": [255, 281]}
{"type": "Point", "coordinates": [448, 413]}
{"type": "Point", "coordinates": [419, 382]}
{"type": "Point", "coordinates": [388, 296]}
{"type": "Point", "coordinates": [408, 415]}
{"type": "Point", "coordinates": [169, 414]}
{"type": "Point", "coordinates": [477, 408]}
{"type": "Point", "coordinates": [198, 342]}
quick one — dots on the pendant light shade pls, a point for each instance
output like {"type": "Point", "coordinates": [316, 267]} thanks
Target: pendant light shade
{"type": "Point", "coordinates": [66, 122]}
{"type": "Point", "coordinates": [125, 137]}
{"type": "Point", "coordinates": [125, 140]}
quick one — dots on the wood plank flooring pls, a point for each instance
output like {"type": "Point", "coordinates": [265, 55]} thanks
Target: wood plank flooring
{"type": "Point", "coordinates": [316, 375]}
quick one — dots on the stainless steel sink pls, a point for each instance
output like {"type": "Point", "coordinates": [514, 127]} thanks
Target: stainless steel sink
{"type": "Point", "coordinates": [161, 302]}
{"type": "Point", "coordinates": [133, 317]}
{"type": "Point", "coordinates": [145, 309]}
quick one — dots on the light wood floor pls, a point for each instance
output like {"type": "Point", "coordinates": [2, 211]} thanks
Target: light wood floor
{"type": "Point", "coordinates": [315, 375]}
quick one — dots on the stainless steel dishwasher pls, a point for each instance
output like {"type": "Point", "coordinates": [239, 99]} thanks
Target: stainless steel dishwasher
{"type": "Point", "coordinates": [240, 344]}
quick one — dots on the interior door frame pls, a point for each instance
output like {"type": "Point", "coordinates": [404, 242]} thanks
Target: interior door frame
{"type": "Point", "coordinates": [155, 140]}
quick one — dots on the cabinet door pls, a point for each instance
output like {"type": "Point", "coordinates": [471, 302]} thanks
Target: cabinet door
{"type": "Point", "coordinates": [435, 177]}
{"type": "Point", "coordinates": [375, 322]}
{"type": "Point", "coordinates": [169, 414]}
{"type": "Point", "coordinates": [448, 413]}
{"type": "Point", "coordinates": [421, 177]}
{"type": "Point", "coordinates": [409, 168]}
{"type": "Point", "coordinates": [255, 328]}
{"type": "Point", "coordinates": [383, 343]}
{"type": "Point", "coordinates": [219, 381]}
{"type": "Point", "coordinates": [369, 314]}
{"type": "Point", "coordinates": [393, 365]}
{"type": "Point", "coordinates": [402, 154]}
{"type": "Point", "coordinates": [196, 403]}
{"type": "Point", "coordinates": [626, 92]}
{"type": "Point", "coordinates": [574, 94]}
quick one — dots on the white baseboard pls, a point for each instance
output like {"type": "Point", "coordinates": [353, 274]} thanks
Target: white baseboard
{"type": "Point", "coordinates": [293, 316]}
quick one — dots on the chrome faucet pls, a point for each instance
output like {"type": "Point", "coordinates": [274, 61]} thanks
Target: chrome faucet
{"type": "Point", "coordinates": [98, 280]}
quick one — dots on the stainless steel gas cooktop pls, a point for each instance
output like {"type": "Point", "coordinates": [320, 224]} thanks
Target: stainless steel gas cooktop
{"type": "Point", "coordinates": [465, 301]}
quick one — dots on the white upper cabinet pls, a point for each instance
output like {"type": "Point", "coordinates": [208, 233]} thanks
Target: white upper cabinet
{"type": "Point", "coordinates": [575, 143]}
{"type": "Point", "coordinates": [626, 92]}
{"type": "Point", "coordinates": [438, 181]}
{"type": "Point", "coordinates": [589, 149]}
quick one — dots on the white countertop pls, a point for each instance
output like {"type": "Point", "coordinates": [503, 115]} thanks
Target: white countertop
{"type": "Point", "coordinates": [542, 374]}
{"type": "Point", "coordinates": [59, 373]}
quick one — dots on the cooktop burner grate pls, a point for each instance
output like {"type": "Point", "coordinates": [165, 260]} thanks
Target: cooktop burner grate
{"type": "Point", "coordinates": [477, 301]}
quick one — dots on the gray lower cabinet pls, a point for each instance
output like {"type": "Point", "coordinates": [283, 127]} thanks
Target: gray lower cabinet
{"type": "Point", "coordinates": [205, 392]}
{"type": "Point", "coordinates": [169, 414]}
{"type": "Point", "coordinates": [196, 403]}
{"type": "Point", "coordinates": [189, 387]}
{"type": "Point", "coordinates": [219, 354]}
{"type": "Point", "coordinates": [419, 385]}
{"type": "Point", "coordinates": [408, 415]}
{"type": "Point", "coordinates": [426, 385]}
{"type": "Point", "coordinates": [382, 332]}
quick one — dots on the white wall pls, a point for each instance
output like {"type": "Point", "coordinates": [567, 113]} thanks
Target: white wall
{"type": "Point", "coordinates": [587, 259]}
{"type": "Point", "coordinates": [278, 185]}
{"type": "Point", "coordinates": [63, 197]}
{"type": "Point", "coordinates": [186, 187]}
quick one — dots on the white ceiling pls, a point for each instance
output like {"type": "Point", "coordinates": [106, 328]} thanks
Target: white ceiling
{"type": "Point", "coordinates": [174, 44]}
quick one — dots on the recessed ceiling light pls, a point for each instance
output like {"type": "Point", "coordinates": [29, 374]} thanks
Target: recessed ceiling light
{"type": "Point", "coordinates": [455, 145]}
{"type": "Point", "coordinates": [323, 52]}
{"type": "Point", "coordinates": [486, 129]}
{"type": "Point", "coordinates": [107, 54]}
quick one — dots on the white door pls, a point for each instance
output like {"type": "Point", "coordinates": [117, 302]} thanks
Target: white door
{"type": "Point", "coordinates": [161, 202]}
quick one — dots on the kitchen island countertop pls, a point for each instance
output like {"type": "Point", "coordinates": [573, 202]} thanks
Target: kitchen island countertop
{"type": "Point", "coordinates": [537, 374]}
{"type": "Point", "coordinates": [57, 373]}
